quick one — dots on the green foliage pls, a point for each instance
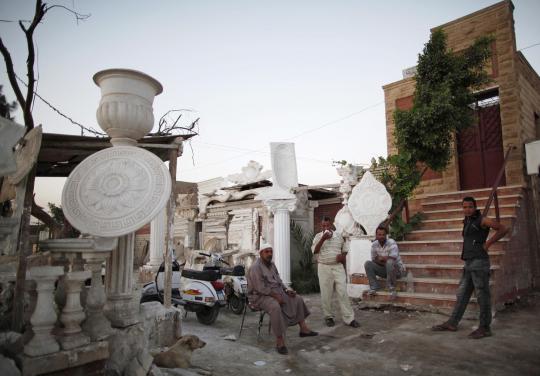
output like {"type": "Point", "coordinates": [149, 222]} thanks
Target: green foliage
{"type": "Point", "coordinates": [58, 216]}
{"type": "Point", "coordinates": [444, 92]}
{"type": "Point", "coordinates": [304, 278]}
{"type": "Point", "coordinates": [399, 175]}
{"type": "Point", "coordinates": [398, 228]}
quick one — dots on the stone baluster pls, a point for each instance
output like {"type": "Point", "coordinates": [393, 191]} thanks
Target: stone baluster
{"type": "Point", "coordinates": [96, 324]}
{"type": "Point", "coordinates": [44, 315]}
{"type": "Point", "coordinates": [120, 309]}
{"type": "Point", "coordinates": [73, 314]}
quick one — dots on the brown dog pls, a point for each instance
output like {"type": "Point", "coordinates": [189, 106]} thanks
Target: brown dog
{"type": "Point", "coordinates": [179, 355]}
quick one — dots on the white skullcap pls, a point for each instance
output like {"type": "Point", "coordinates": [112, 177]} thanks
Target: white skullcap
{"type": "Point", "coordinates": [264, 246]}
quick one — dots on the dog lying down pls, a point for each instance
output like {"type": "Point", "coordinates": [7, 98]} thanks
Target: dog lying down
{"type": "Point", "coordinates": [179, 354]}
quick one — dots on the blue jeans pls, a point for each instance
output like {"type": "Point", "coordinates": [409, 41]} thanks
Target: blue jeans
{"type": "Point", "coordinates": [475, 277]}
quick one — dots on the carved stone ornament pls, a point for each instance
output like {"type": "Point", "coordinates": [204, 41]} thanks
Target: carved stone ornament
{"type": "Point", "coordinates": [251, 173]}
{"type": "Point", "coordinates": [276, 205]}
{"type": "Point", "coordinates": [369, 203]}
{"type": "Point", "coordinates": [344, 221]}
{"type": "Point", "coordinates": [10, 134]}
{"type": "Point", "coordinates": [116, 191]}
{"type": "Point", "coordinates": [27, 156]}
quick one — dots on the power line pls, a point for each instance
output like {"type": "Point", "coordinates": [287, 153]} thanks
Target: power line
{"type": "Point", "coordinates": [532, 45]}
{"type": "Point", "coordinates": [250, 151]}
{"type": "Point", "coordinates": [91, 130]}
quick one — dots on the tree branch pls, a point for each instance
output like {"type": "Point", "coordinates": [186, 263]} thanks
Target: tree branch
{"type": "Point", "coordinates": [41, 9]}
{"type": "Point", "coordinates": [11, 74]}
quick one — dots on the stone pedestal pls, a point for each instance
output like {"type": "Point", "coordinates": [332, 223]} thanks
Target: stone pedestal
{"type": "Point", "coordinates": [44, 315]}
{"type": "Point", "coordinates": [120, 309]}
{"type": "Point", "coordinates": [282, 236]}
{"type": "Point", "coordinates": [157, 241]}
{"type": "Point", "coordinates": [72, 314]}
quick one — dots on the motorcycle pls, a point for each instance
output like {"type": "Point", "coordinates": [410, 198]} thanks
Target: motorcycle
{"type": "Point", "coordinates": [234, 280]}
{"type": "Point", "coordinates": [202, 292]}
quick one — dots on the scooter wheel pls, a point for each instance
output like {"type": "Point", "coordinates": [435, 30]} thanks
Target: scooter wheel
{"type": "Point", "coordinates": [236, 304]}
{"type": "Point", "coordinates": [207, 315]}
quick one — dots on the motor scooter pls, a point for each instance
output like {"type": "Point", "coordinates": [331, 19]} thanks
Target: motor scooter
{"type": "Point", "coordinates": [234, 280]}
{"type": "Point", "coordinates": [201, 293]}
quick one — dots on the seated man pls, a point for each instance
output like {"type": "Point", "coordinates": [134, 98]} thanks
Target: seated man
{"type": "Point", "coordinates": [385, 262]}
{"type": "Point", "coordinates": [267, 292]}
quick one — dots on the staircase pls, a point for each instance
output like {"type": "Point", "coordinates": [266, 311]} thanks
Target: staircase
{"type": "Point", "coordinates": [432, 252]}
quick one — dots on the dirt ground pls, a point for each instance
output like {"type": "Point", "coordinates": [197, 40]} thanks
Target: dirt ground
{"type": "Point", "coordinates": [388, 342]}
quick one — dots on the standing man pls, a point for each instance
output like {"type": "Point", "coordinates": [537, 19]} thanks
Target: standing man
{"type": "Point", "coordinates": [385, 262]}
{"type": "Point", "coordinates": [267, 292]}
{"type": "Point", "coordinates": [330, 249]}
{"type": "Point", "coordinates": [476, 270]}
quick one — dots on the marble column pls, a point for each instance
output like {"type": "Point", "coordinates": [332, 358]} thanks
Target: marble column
{"type": "Point", "coordinates": [44, 315]}
{"type": "Point", "coordinates": [120, 308]}
{"type": "Point", "coordinates": [157, 240]}
{"type": "Point", "coordinates": [73, 314]}
{"type": "Point", "coordinates": [282, 236]}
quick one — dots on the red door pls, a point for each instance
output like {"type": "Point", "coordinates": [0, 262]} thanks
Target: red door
{"type": "Point", "coordinates": [480, 150]}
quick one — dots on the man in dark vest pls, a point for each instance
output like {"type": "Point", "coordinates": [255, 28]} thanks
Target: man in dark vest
{"type": "Point", "coordinates": [476, 270]}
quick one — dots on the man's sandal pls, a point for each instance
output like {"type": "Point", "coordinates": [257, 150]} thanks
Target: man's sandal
{"type": "Point", "coordinates": [444, 327]}
{"type": "Point", "coordinates": [480, 333]}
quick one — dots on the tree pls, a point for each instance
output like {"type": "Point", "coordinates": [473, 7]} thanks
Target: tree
{"type": "Point", "coordinates": [25, 101]}
{"type": "Point", "coordinates": [445, 85]}
{"type": "Point", "coordinates": [444, 92]}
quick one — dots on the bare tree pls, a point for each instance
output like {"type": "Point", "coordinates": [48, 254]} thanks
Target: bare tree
{"type": "Point", "coordinates": [25, 101]}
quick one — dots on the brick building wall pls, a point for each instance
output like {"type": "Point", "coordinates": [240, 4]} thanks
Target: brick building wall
{"type": "Point", "coordinates": [326, 208]}
{"type": "Point", "coordinates": [496, 20]}
{"type": "Point", "coordinates": [529, 96]}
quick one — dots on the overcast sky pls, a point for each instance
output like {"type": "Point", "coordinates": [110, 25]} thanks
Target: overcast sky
{"type": "Point", "coordinates": [308, 72]}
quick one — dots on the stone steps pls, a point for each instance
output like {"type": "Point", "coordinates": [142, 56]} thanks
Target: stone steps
{"type": "Point", "coordinates": [507, 209]}
{"type": "Point", "coordinates": [432, 253]}
{"type": "Point", "coordinates": [445, 204]}
{"type": "Point", "coordinates": [441, 270]}
{"type": "Point", "coordinates": [442, 257]}
{"type": "Point", "coordinates": [444, 223]}
{"type": "Point", "coordinates": [431, 302]}
{"type": "Point", "coordinates": [444, 286]}
{"type": "Point", "coordinates": [442, 245]}
{"type": "Point", "coordinates": [476, 193]}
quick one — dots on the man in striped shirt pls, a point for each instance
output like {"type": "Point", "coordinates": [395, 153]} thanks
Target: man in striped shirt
{"type": "Point", "coordinates": [385, 262]}
{"type": "Point", "coordinates": [331, 249]}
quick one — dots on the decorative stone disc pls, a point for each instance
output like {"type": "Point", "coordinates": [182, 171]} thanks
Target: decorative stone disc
{"type": "Point", "coordinates": [369, 203]}
{"type": "Point", "coordinates": [116, 191]}
{"type": "Point", "coordinates": [27, 156]}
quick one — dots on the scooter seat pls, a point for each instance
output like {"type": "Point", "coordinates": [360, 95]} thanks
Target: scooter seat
{"type": "Point", "coordinates": [204, 275]}
{"type": "Point", "coordinates": [237, 271]}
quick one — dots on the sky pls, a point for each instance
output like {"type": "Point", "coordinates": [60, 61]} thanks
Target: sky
{"type": "Point", "coordinates": [255, 72]}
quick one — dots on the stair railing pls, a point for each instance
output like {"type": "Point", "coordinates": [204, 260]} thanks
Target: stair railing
{"type": "Point", "coordinates": [493, 195]}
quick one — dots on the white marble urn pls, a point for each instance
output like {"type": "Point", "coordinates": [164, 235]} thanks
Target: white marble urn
{"type": "Point", "coordinates": [125, 111]}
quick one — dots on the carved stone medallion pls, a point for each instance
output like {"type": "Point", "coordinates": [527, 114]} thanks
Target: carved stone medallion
{"type": "Point", "coordinates": [27, 156]}
{"type": "Point", "coordinates": [369, 203]}
{"type": "Point", "coordinates": [116, 191]}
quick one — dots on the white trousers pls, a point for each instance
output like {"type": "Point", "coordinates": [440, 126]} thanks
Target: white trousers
{"type": "Point", "coordinates": [330, 277]}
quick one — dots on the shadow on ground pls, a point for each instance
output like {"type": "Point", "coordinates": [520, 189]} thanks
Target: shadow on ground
{"type": "Point", "coordinates": [388, 342]}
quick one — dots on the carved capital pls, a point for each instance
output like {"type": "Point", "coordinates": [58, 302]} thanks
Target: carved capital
{"type": "Point", "coordinates": [277, 205]}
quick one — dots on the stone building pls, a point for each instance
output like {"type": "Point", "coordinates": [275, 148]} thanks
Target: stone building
{"type": "Point", "coordinates": [227, 214]}
{"type": "Point", "coordinates": [508, 111]}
